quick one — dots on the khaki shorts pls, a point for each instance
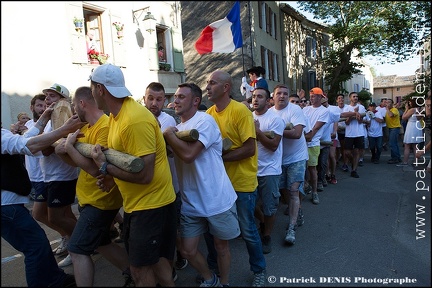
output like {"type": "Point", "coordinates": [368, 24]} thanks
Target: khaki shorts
{"type": "Point", "coordinates": [313, 155]}
{"type": "Point", "coordinates": [223, 226]}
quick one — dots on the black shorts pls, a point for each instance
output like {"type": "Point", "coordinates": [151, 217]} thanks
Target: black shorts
{"type": "Point", "coordinates": [150, 235]}
{"type": "Point", "coordinates": [354, 143]}
{"type": "Point", "coordinates": [61, 193]}
{"type": "Point", "coordinates": [92, 230]}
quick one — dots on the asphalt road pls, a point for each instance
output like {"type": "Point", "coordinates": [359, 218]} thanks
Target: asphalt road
{"type": "Point", "coordinates": [371, 231]}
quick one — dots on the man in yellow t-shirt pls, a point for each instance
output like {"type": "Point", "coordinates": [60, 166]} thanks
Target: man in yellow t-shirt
{"type": "Point", "coordinates": [148, 195]}
{"type": "Point", "coordinates": [392, 120]}
{"type": "Point", "coordinates": [236, 122]}
{"type": "Point", "coordinates": [97, 208]}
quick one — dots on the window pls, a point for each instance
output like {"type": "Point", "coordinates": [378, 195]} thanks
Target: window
{"type": "Point", "coordinates": [384, 91]}
{"type": "Point", "coordinates": [356, 88]}
{"type": "Point", "coordinates": [311, 47]}
{"type": "Point", "coordinates": [398, 99]}
{"type": "Point", "coordinates": [171, 58]}
{"type": "Point", "coordinates": [267, 19]}
{"type": "Point", "coordinates": [398, 89]}
{"type": "Point", "coordinates": [105, 41]}
{"type": "Point", "coordinates": [269, 61]}
{"type": "Point", "coordinates": [312, 82]}
{"type": "Point", "coordinates": [93, 27]}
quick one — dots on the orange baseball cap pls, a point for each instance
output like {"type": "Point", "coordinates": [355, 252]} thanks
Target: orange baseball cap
{"type": "Point", "coordinates": [317, 91]}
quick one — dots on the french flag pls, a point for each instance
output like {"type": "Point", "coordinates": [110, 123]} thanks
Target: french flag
{"type": "Point", "coordinates": [222, 36]}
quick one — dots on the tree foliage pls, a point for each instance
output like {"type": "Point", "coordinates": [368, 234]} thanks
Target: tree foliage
{"type": "Point", "coordinates": [394, 31]}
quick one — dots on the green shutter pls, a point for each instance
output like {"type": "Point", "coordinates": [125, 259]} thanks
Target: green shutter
{"type": "Point", "coordinates": [177, 49]}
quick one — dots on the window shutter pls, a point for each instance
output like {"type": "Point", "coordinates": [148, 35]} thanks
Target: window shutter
{"type": "Point", "coordinates": [153, 58]}
{"type": "Point", "coordinates": [260, 15]}
{"type": "Point", "coordinates": [119, 48]}
{"type": "Point", "coordinates": [308, 47]}
{"type": "Point", "coordinates": [177, 44]}
{"type": "Point", "coordinates": [77, 38]}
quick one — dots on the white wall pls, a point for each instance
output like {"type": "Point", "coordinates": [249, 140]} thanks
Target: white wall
{"type": "Point", "coordinates": [36, 45]}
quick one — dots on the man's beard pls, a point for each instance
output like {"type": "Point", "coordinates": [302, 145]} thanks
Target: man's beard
{"type": "Point", "coordinates": [36, 116]}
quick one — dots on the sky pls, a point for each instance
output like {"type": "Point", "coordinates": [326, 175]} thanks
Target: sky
{"type": "Point", "coordinates": [401, 69]}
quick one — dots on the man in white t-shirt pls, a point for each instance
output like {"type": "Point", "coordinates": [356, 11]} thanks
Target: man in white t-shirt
{"type": "Point", "coordinates": [383, 110]}
{"type": "Point", "coordinates": [33, 166]}
{"type": "Point", "coordinates": [327, 149]}
{"type": "Point", "coordinates": [374, 121]}
{"type": "Point", "coordinates": [318, 116]}
{"type": "Point", "coordinates": [269, 163]}
{"type": "Point", "coordinates": [340, 152]}
{"type": "Point", "coordinates": [294, 157]}
{"type": "Point", "coordinates": [61, 179]}
{"type": "Point", "coordinates": [208, 197]}
{"type": "Point", "coordinates": [354, 131]}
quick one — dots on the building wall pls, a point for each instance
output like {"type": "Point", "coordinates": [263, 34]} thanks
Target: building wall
{"type": "Point", "coordinates": [393, 93]}
{"type": "Point", "coordinates": [39, 48]}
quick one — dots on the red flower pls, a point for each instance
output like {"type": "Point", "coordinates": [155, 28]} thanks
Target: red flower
{"type": "Point", "coordinates": [93, 54]}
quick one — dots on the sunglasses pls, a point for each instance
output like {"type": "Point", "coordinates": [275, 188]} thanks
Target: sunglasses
{"type": "Point", "coordinates": [294, 102]}
{"type": "Point", "coordinates": [303, 101]}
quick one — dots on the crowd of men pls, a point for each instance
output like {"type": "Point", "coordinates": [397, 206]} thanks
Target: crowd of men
{"type": "Point", "coordinates": [218, 174]}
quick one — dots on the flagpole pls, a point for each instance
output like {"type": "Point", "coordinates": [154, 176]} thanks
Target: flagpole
{"type": "Point", "coordinates": [243, 61]}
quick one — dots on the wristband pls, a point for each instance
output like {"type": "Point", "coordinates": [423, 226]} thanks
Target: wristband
{"type": "Point", "coordinates": [103, 168]}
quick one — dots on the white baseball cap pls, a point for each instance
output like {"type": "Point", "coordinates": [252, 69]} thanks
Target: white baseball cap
{"type": "Point", "coordinates": [60, 89]}
{"type": "Point", "coordinates": [112, 78]}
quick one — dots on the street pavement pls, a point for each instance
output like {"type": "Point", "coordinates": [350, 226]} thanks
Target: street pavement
{"type": "Point", "coordinates": [366, 232]}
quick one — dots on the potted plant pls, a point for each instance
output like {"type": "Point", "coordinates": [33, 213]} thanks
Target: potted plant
{"type": "Point", "coordinates": [164, 66]}
{"type": "Point", "coordinates": [93, 56]}
{"type": "Point", "coordinates": [102, 58]}
{"type": "Point", "coordinates": [119, 27]}
{"type": "Point", "coordinates": [78, 22]}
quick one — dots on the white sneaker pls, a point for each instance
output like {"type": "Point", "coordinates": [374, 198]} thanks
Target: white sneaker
{"type": "Point", "coordinates": [65, 262]}
{"type": "Point", "coordinates": [62, 248]}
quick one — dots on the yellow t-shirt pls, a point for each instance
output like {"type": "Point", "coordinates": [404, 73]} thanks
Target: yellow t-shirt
{"type": "Point", "coordinates": [136, 131]}
{"type": "Point", "coordinates": [88, 193]}
{"type": "Point", "coordinates": [393, 122]}
{"type": "Point", "coordinates": [236, 123]}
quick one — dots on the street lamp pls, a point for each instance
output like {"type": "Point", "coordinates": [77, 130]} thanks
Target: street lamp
{"type": "Point", "coordinates": [150, 22]}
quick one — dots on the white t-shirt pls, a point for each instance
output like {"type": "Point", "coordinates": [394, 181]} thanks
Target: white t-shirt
{"type": "Point", "coordinates": [354, 128]}
{"type": "Point", "coordinates": [318, 114]}
{"type": "Point", "coordinates": [54, 168]}
{"type": "Point", "coordinates": [341, 124]}
{"type": "Point", "coordinates": [294, 150]}
{"type": "Point", "coordinates": [269, 162]}
{"type": "Point", "coordinates": [375, 128]}
{"type": "Point", "coordinates": [383, 112]}
{"type": "Point", "coordinates": [334, 116]}
{"type": "Point", "coordinates": [205, 187]}
{"type": "Point", "coordinates": [32, 163]}
{"type": "Point", "coordinates": [165, 121]}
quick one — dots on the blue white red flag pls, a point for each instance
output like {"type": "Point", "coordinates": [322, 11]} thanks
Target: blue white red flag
{"type": "Point", "coordinates": [222, 36]}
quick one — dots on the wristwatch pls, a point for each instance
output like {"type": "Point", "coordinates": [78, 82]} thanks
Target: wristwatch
{"type": "Point", "coordinates": [103, 168]}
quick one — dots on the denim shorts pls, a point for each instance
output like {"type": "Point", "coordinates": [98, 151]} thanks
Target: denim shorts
{"type": "Point", "coordinates": [41, 192]}
{"type": "Point", "coordinates": [91, 230]}
{"type": "Point", "coordinates": [268, 193]}
{"type": "Point", "coordinates": [224, 226]}
{"type": "Point", "coordinates": [292, 173]}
